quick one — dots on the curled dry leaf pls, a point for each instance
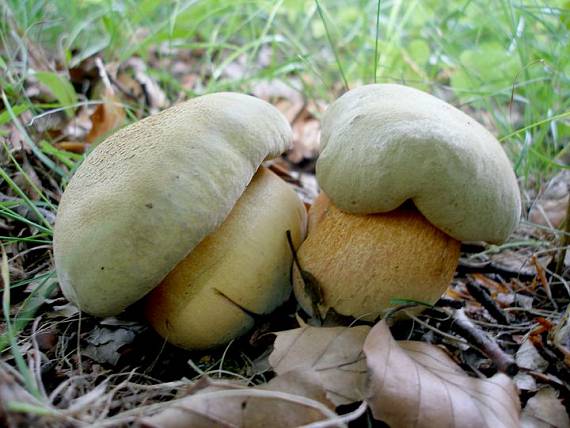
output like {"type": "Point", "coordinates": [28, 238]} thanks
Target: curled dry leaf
{"type": "Point", "coordinates": [294, 399]}
{"type": "Point", "coordinates": [335, 354]}
{"type": "Point", "coordinates": [107, 117]}
{"type": "Point", "coordinates": [417, 384]}
{"type": "Point", "coordinates": [545, 410]}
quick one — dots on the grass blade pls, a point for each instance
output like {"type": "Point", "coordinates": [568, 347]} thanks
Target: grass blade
{"type": "Point", "coordinates": [331, 43]}
{"type": "Point", "coordinates": [37, 152]}
{"type": "Point", "coordinates": [11, 335]}
{"type": "Point", "coordinates": [376, 42]}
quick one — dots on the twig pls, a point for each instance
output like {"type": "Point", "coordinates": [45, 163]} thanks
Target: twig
{"type": "Point", "coordinates": [542, 280]}
{"type": "Point", "coordinates": [104, 76]}
{"type": "Point", "coordinates": [451, 337]}
{"type": "Point", "coordinates": [465, 267]}
{"type": "Point", "coordinates": [482, 295]}
{"type": "Point", "coordinates": [463, 326]}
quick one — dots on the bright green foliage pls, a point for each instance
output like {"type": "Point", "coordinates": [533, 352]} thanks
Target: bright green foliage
{"type": "Point", "coordinates": [508, 59]}
{"type": "Point", "coordinates": [61, 88]}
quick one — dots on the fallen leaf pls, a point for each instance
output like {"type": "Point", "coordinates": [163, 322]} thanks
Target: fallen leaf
{"type": "Point", "coordinates": [154, 95]}
{"type": "Point", "coordinates": [528, 357]}
{"type": "Point", "coordinates": [291, 400]}
{"type": "Point", "coordinates": [306, 136]}
{"type": "Point", "coordinates": [335, 353]}
{"type": "Point", "coordinates": [417, 384]}
{"type": "Point", "coordinates": [545, 410]}
{"type": "Point", "coordinates": [305, 383]}
{"type": "Point", "coordinates": [107, 117]}
{"type": "Point", "coordinates": [105, 343]}
{"type": "Point", "coordinates": [78, 128]}
{"type": "Point", "coordinates": [129, 85]}
{"type": "Point", "coordinates": [289, 108]}
{"type": "Point", "coordinates": [525, 382]}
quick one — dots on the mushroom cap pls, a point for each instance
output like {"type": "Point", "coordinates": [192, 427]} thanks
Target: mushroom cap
{"type": "Point", "coordinates": [243, 268]}
{"type": "Point", "coordinates": [384, 144]}
{"type": "Point", "coordinates": [151, 192]}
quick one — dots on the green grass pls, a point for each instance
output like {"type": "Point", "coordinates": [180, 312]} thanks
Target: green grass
{"type": "Point", "coordinates": [507, 62]}
{"type": "Point", "coordinates": [509, 59]}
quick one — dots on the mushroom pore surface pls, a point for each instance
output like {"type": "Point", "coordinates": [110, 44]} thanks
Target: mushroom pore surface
{"type": "Point", "coordinates": [361, 262]}
{"type": "Point", "coordinates": [243, 268]}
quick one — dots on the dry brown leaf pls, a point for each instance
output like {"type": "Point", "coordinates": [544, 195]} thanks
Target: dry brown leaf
{"type": "Point", "coordinates": [291, 109]}
{"type": "Point", "coordinates": [335, 353]}
{"type": "Point", "coordinates": [302, 383]}
{"type": "Point", "coordinates": [545, 410]}
{"type": "Point", "coordinates": [129, 85]}
{"type": "Point", "coordinates": [417, 384]}
{"type": "Point", "coordinates": [154, 95]}
{"type": "Point", "coordinates": [306, 136]}
{"type": "Point", "coordinates": [294, 399]}
{"type": "Point", "coordinates": [107, 117]}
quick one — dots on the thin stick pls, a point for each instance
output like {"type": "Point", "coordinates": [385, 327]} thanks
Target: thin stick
{"type": "Point", "coordinates": [463, 326]}
{"type": "Point", "coordinates": [481, 294]}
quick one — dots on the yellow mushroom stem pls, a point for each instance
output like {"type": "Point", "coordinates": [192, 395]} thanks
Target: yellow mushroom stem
{"type": "Point", "coordinates": [242, 269]}
{"type": "Point", "coordinates": [361, 262]}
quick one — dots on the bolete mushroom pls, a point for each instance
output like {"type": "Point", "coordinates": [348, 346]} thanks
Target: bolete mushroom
{"type": "Point", "coordinates": [405, 177]}
{"type": "Point", "coordinates": [175, 200]}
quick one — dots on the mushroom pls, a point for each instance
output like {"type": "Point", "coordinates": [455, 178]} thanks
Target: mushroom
{"type": "Point", "coordinates": [175, 200]}
{"type": "Point", "coordinates": [406, 177]}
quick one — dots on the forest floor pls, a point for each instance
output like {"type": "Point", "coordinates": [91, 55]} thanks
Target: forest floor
{"type": "Point", "coordinates": [503, 321]}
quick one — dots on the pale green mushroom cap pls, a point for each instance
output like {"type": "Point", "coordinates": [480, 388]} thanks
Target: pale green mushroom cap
{"type": "Point", "coordinates": [384, 144]}
{"type": "Point", "coordinates": [152, 191]}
